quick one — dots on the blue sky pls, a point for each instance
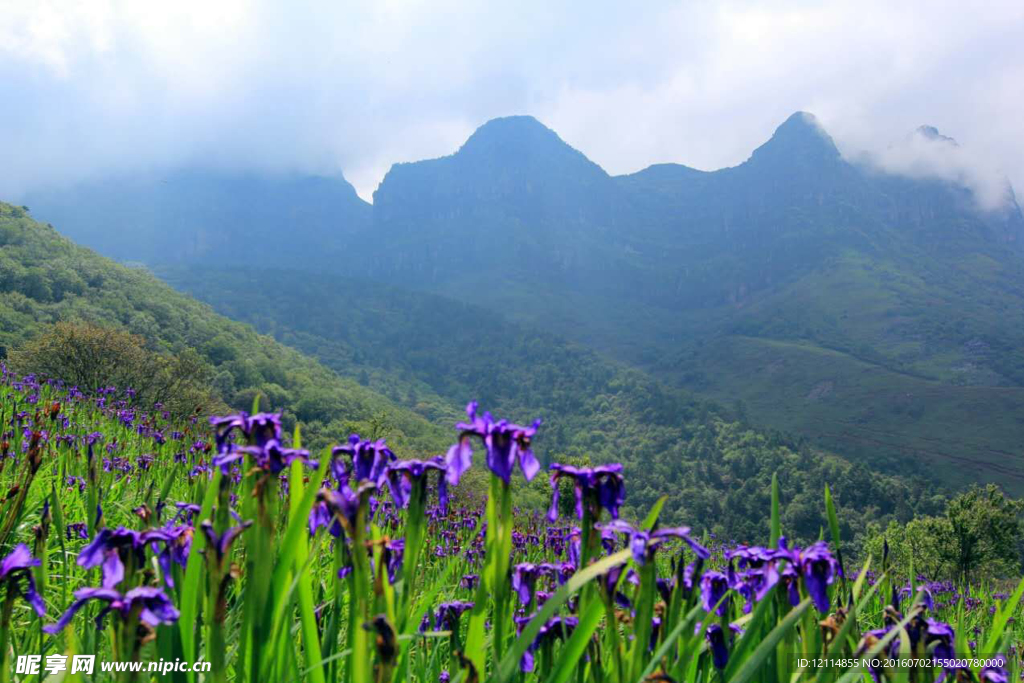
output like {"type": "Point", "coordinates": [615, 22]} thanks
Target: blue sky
{"type": "Point", "coordinates": [94, 88]}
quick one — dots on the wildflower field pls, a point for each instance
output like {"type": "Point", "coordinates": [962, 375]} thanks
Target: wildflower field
{"type": "Point", "coordinates": [132, 536]}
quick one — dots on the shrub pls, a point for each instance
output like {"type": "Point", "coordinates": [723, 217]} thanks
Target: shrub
{"type": "Point", "coordinates": [92, 357]}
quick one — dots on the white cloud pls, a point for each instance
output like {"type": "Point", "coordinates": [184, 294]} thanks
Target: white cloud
{"type": "Point", "coordinates": [98, 87]}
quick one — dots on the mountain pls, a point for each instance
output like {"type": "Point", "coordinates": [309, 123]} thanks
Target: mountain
{"type": "Point", "coordinates": [879, 313]}
{"type": "Point", "coordinates": [196, 215]}
{"type": "Point", "coordinates": [514, 201]}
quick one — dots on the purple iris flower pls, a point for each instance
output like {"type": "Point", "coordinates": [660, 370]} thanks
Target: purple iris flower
{"type": "Point", "coordinates": [713, 586]}
{"type": "Point", "coordinates": [751, 556]}
{"type": "Point", "coordinates": [554, 629]}
{"type": "Point", "coordinates": [343, 504]}
{"type": "Point", "coordinates": [754, 583]}
{"type": "Point", "coordinates": [446, 616]}
{"type": "Point", "coordinates": [79, 529]}
{"type": "Point", "coordinates": [643, 544]}
{"type": "Point", "coordinates": [791, 581]}
{"type": "Point", "coordinates": [221, 543]}
{"type": "Point", "coordinates": [716, 637]}
{"type": "Point", "coordinates": [926, 597]}
{"type": "Point", "coordinates": [320, 516]}
{"type": "Point", "coordinates": [610, 582]}
{"type": "Point", "coordinates": [152, 605]}
{"type": "Point", "coordinates": [370, 459]}
{"type": "Point", "coordinates": [186, 511]}
{"type": "Point", "coordinates": [942, 634]}
{"type": "Point", "coordinates": [392, 556]}
{"type": "Point", "coordinates": [505, 443]}
{"type": "Point", "coordinates": [258, 429]}
{"type": "Point", "coordinates": [524, 579]}
{"type": "Point", "coordinates": [817, 567]}
{"type": "Point", "coordinates": [996, 673]}
{"type": "Point", "coordinates": [600, 487]}
{"type": "Point", "coordinates": [176, 550]}
{"type": "Point", "coordinates": [405, 474]}
{"type": "Point", "coordinates": [18, 566]}
{"type": "Point", "coordinates": [112, 548]}
{"type": "Point", "coordinates": [273, 458]}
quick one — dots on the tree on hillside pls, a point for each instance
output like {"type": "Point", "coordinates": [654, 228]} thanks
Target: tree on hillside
{"type": "Point", "coordinates": [977, 535]}
{"type": "Point", "coordinates": [91, 357]}
{"type": "Point", "coordinates": [984, 529]}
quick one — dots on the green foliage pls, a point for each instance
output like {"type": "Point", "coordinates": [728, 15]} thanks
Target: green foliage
{"type": "Point", "coordinates": [977, 536]}
{"type": "Point", "coordinates": [92, 357]}
{"type": "Point", "coordinates": [274, 604]}
{"type": "Point", "coordinates": [985, 530]}
{"type": "Point", "coordinates": [35, 261]}
{"type": "Point", "coordinates": [595, 410]}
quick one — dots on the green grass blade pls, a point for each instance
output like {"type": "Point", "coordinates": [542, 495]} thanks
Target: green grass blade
{"type": "Point", "coordinates": [307, 614]}
{"type": "Point", "coordinates": [766, 648]}
{"type": "Point", "coordinates": [751, 634]}
{"type": "Point", "coordinates": [1001, 618]}
{"type": "Point", "coordinates": [297, 529]}
{"type": "Point", "coordinates": [652, 517]}
{"type": "Point", "coordinates": [570, 654]}
{"type": "Point", "coordinates": [833, 527]}
{"type": "Point", "coordinates": [776, 523]}
{"type": "Point", "coordinates": [509, 665]}
{"type": "Point", "coordinates": [684, 626]}
{"type": "Point", "coordinates": [190, 589]}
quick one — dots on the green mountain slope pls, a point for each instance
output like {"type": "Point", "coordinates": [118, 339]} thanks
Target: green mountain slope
{"type": "Point", "coordinates": [45, 278]}
{"type": "Point", "coordinates": [426, 350]}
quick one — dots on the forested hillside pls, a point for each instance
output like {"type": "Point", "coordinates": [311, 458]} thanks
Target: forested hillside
{"type": "Point", "coordinates": [427, 351]}
{"type": "Point", "coordinates": [45, 278]}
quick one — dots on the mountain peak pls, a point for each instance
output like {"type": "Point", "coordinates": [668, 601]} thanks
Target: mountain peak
{"type": "Point", "coordinates": [523, 142]}
{"type": "Point", "coordinates": [800, 137]}
{"type": "Point", "coordinates": [509, 133]}
{"type": "Point", "coordinates": [932, 134]}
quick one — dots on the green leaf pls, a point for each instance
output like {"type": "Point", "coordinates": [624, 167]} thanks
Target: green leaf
{"type": "Point", "coordinates": [193, 577]}
{"type": "Point", "coordinates": [833, 525]}
{"type": "Point", "coordinates": [307, 614]}
{"type": "Point", "coordinates": [751, 634]}
{"type": "Point", "coordinates": [509, 665]}
{"type": "Point", "coordinates": [573, 650]}
{"type": "Point", "coordinates": [766, 648]}
{"type": "Point", "coordinates": [776, 524]}
{"type": "Point", "coordinates": [652, 517]}
{"type": "Point", "coordinates": [1002, 618]}
{"type": "Point", "coordinates": [684, 626]}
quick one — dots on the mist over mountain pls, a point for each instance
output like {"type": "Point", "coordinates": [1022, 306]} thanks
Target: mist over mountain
{"type": "Point", "coordinates": [198, 215]}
